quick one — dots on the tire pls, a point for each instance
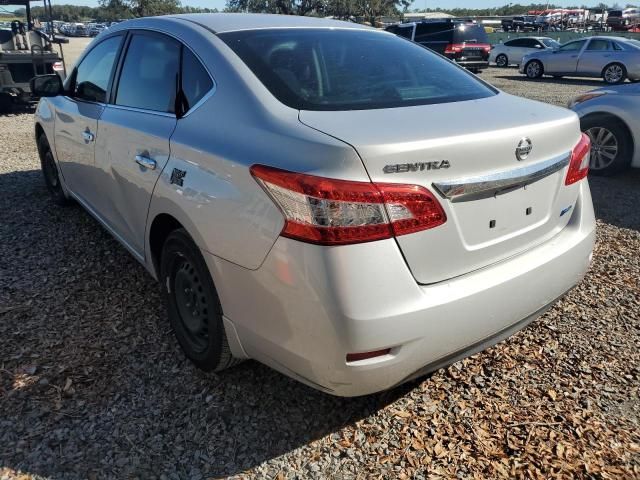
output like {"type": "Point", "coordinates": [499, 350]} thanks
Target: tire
{"type": "Point", "coordinates": [502, 61]}
{"type": "Point", "coordinates": [614, 73]}
{"type": "Point", "coordinates": [50, 172]}
{"type": "Point", "coordinates": [6, 103]}
{"type": "Point", "coordinates": [193, 305]}
{"type": "Point", "coordinates": [611, 144]}
{"type": "Point", "coordinates": [534, 69]}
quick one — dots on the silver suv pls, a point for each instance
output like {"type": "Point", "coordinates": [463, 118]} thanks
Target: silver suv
{"type": "Point", "coordinates": [338, 203]}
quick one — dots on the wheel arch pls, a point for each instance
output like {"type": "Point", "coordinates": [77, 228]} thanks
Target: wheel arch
{"type": "Point", "coordinates": [615, 62]}
{"type": "Point", "coordinates": [159, 229]}
{"type": "Point", "coordinates": [624, 123]}
{"type": "Point", "coordinates": [611, 116]}
{"type": "Point", "coordinates": [531, 60]}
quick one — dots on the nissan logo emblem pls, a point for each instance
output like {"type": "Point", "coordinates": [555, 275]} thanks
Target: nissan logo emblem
{"type": "Point", "coordinates": [524, 149]}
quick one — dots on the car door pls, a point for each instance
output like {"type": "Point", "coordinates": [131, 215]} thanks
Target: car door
{"type": "Point", "coordinates": [595, 57]}
{"type": "Point", "coordinates": [77, 113]}
{"type": "Point", "coordinates": [134, 132]}
{"type": "Point", "coordinates": [564, 59]}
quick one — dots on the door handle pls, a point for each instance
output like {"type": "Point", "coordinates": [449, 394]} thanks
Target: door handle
{"type": "Point", "coordinates": [146, 162]}
{"type": "Point", "coordinates": [87, 136]}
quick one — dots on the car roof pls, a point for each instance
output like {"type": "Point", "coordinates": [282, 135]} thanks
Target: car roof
{"type": "Point", "coordinates": [230, 22]}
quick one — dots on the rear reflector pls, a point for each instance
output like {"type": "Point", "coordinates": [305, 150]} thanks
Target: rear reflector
{"type": "Point", "coordinates": [355, 357]}
{"type": "Point", "coordinates": [579, 164]}
{"type": "Point", "coordinates": [327, 211]}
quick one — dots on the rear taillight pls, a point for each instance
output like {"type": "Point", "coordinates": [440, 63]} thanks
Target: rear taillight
{"type": "Point", "coordinates": [459, 47]}
{"type": "Point", "coordinates": [58, 67]}
{"type": "Point", "coordinates": [579, 164]}
{"type": "Point", "coordinates": [327, 211]}
{"type": "Point", "coordinates": [454, 48]}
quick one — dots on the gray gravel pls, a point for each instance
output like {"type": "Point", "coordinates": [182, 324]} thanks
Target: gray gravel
{"type": "Point", "coordinates": [93, 385]}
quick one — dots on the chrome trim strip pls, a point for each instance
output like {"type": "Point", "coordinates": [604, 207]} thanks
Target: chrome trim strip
{"type": "Point", "coordinates": [490, 185]}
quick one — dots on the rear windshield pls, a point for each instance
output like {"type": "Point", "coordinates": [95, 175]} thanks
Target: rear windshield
{"type": "Point", "coordinates": [323, 69]}
{"type": "Point", "coordinates": [549, 42]}
{"type": "Point", "coordinates": [615, 13]}
{"type": "Point", "coordinates": [470, 33]}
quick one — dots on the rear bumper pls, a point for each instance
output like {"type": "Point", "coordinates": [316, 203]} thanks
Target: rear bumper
{"type": "Point", "coordinates": [306, 307]}
{"type": "Point", "coordinates": [482, 64]}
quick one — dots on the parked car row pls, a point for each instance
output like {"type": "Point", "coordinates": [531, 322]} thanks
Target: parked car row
{"type": "Point", "coordinates": [614, 59]}
{"type": "Point", "coordinates": [84, 30]}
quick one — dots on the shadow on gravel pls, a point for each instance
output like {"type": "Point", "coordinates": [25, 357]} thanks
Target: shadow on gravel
{"type": "Point", "coordinates": [556, 81]}
{"type": "Point", "coordinates": [92, 383]}
{"type": "Point", "coordinates": [616, 199]}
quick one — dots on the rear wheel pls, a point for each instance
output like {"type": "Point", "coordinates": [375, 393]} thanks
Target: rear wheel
{"type": "Point", "coordinates": [534, 69]}
{"type": "Point", "coordinates": [192, 301]}
{"type": "Point", "coordinates": [6, 103]}
{"type": "Point", "coordinates": [611, 144]}
{"type": "Point", "coordinates": [614, 73]}
{"type": "Point", "coordinates": [50, 172]}
{"type": "Point", "coordinates": [502, 61]}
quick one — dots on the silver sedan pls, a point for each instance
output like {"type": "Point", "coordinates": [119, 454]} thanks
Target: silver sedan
{"type": "Point", "coordinates": [609, 116]}
{"type": "Point", "coordinates": [614, 59]}
{"type": "Point", "coordinates": [326, 198]}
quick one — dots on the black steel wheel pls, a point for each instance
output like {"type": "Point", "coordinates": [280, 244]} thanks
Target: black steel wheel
{"type": "Point", "coordinates": [193, 305]}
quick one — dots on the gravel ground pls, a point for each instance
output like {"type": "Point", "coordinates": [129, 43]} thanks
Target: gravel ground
{"type": "Point", "coordinates": [93, 385]}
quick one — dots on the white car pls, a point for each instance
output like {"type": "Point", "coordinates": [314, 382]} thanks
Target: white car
{"type": "Point", "coordinates": [327, 198]}
{"type": "Point", "coordinates": [512, 51]}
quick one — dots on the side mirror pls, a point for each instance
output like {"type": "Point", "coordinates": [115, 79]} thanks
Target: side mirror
{"type": "Point", "coordinates": [46, 85]}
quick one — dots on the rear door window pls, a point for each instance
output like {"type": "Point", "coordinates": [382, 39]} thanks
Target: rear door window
{"type": "Point", "coordinates": [406, 32]}
{"type": "Point", "coordinates": [196, 82]}
{"type": "Point", "coordinates": [598, 44]}
{"type": "Point", "coordinates": [149, 75]}
{"type": "Point", "coordinates": [434, 32]}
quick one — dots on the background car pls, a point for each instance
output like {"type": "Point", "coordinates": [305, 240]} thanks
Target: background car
{"type": "Point", "coordinates": [609, 116]}
{"type": "Point", "coordinates": [623, 19]}
{"type": "Point", "coordinates": [512, 51]}
{"type": "Point", "coordinates": [464, 42]}
{"type": "Point", "coordinates": [612, 58]}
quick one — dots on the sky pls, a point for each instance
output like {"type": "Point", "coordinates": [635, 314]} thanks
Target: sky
{"type": "Point", "coordinates": [219, 4]}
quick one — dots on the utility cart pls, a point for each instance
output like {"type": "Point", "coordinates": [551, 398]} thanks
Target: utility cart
{"type": "Point", "coordinates": [26, 51]}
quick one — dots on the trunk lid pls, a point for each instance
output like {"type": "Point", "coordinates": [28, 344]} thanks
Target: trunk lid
{"type": "Point", "coordinates": [470, 145]}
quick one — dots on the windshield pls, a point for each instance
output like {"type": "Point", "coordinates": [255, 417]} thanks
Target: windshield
{"type": "Point", "coordinates": [10, 12]}
{"type": "Point", "coordinates": [326, 69]}
{"type": "Point", "coordinates": [550, 43]}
